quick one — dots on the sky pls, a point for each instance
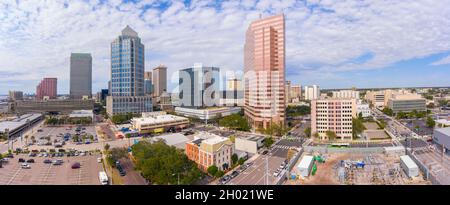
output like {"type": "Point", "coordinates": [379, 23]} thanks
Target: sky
{"type": "Point", "coordinates": [334, 44]}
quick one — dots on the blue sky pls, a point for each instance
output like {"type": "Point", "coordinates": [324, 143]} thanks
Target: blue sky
{"type": "Point", "coordinates": [334, 44]}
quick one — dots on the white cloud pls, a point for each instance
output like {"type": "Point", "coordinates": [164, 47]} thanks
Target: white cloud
{"type": "Point", "coordinates": [37, 37]}
{"type": "Point", "coordinates": [442, 61]}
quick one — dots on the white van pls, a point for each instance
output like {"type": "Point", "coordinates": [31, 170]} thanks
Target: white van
{"type": "Point", "coordinates": [103, 178]}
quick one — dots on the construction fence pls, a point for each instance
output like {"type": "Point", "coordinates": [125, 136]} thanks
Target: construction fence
{"type": "Point", "coordinates": [428, 175]}
{"type": "Point", "coordinates": [367, 150]}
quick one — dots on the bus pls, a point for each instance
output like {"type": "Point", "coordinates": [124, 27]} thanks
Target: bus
{"type": "Point", "coordinates": [103, 178]}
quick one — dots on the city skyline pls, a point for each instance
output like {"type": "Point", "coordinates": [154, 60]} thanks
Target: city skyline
{"type": "Point", "coordinates": [333, 45]}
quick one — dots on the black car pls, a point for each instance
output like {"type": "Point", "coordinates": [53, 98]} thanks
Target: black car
{"type": "Point", "coordinates": [234, 174]}
{"type": "Point", "coordinates": [30, 161]}
{"type": "Point", "coordinates": [9, 156]}
{"type": "Point", "coordinates": [47, 161]}
{"type": "Point", "coordinates": [265, 152]}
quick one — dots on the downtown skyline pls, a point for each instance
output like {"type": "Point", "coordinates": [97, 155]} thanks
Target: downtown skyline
{"type": "Point", "coordinates": [334, 45]}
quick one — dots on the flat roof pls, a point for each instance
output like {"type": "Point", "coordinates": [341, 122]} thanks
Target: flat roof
{"type": "Point", "coordinates": [408, 161]}
{"type": "Point", "coordinates": [158, 119]}
{"type": "Point", "coordinates": [173, 139]}
{"type": "Point", "coordinates": [251, 137]}
{"type": "Point", "coordinates": [215, 140]}
{"type": "Point", "coordinates": [445, 131]}
{"type": "Point", "coordinates": [18, 122]}
{"type": "Point", "coordinates": [305, 162]}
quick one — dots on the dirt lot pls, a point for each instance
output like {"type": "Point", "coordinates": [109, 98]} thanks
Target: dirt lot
{"type": "Point", "coordinates": [379, 169]}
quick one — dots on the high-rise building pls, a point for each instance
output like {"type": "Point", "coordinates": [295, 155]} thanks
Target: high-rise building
{"type": "Point", "coordinates": [199, 86]}
{"type": "Point", "coordinates": [333, 115]}
{"type": "Point", "coordinates": [80, 75]}
{"type": "Point", "coordinates": [15, 95]}
{"type": "Point", "coordinates": [127, 93]}
{"type": "Point", "coordinates": [148, 82]}
{"type": "Point", "coordinates": [159, 80]}
{"type": "Point", "coordinates": [47, 87]}
{"type": "Point", "coordinates": [312, 92]}
{"type": "Point", "coordinates": [264, 68]}
{"type": "Point", "coordinates": [296, 92]}
{"type": "Point", "coordinates": [288, 91]}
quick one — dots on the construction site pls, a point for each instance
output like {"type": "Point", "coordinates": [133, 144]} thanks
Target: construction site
{"type": "Point", "coordinates": [354, 169]}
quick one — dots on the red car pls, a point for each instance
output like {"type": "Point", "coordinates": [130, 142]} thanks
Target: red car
{"type": "Point", "coordinates": [76, 165]}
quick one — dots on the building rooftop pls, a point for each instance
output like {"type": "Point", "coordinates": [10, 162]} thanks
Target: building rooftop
{"type": "Point", "coordinates": [407, 97]}
{"type": "Point", "coordinates": [215, 140]}
{"type": "Point", "coordinates": [164, 118]}
{"type": "Point", "coordinates": [445, 131]}
{"type": "Point", "coordinates": [17, 122]}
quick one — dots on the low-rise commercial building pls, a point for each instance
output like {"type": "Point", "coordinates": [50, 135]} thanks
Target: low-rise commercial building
{"type": "Point", "coordinates": [250, 144]}
{"type": "Point", "coordinates": [14, 128]}
{"type": "Point", "coordinates": [407, 103]}
{"type": "Point", "coordinates": [441, 136]}
{"type": "Point", "coordinates": [15, 95]}
{"type": "Point", "coordinates": [158, 122]}
{"type": "Point", "coordinates": [207, 113]}
{"type": "Point", "coordinates": [56, 106]}
{"type": "Point", "coordinates": [333, 115]}
{"type": "Point", "coordinates": [210, 151]}
{"type": "Point", "coordinates": [363, 108]}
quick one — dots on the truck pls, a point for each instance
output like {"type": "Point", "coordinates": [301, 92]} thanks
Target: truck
{"type": "Point", "coordinates": [103, 178]}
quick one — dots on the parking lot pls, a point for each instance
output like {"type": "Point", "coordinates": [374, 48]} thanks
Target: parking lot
{"type": "Point", "coordinates": [48, 174]}
{"type": "Point", "coordinates": [56, 133]}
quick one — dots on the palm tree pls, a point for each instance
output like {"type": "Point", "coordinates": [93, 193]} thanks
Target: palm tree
{"type": "Point", "coordinates": [128, 136]}
{"type": "Point", "coordinates": [26, 139]}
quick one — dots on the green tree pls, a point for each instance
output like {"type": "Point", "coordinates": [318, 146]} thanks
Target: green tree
{"type": "Point", "coordinates": [268, 142]}
{"type": "Point", "coordinates": [158, 162]}
{"type": "Point", "coordinates": [307, 132]}
{"type": "Point", "coordinates": [331, 135]}
{"type": "Point", "coordinates": [357, 127]}
{"type": "Point", "coordinates": [235, 122]}
{"type": "Point", "coordinates": [219, 174]}
{"type": "Point", "coordinates": [118, 153]}
{"type": "Point", "coordinates": [241, 161]}
{"type": "Point", "coordinates": [212, 170]}
{"type": "Point", "coordinates": [295, 111]}
{"type": "Point", "coordinates": [430, 122]}
{"type": "Point", "coordinates": [388, 111]}
{"type": "Point", "coordinates": [234, 158]}
{"type": "Point", "coordinates": [106, 147]}
{"type": "Point", "coordinates": [316, 135]}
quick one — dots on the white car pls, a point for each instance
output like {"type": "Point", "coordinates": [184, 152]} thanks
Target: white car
{"type": "Point", "coordinates": [25, 166]}
{"type": "Point", "coordinates": [276, 173]}
{"type": "Point", "coordinates": [99, 160]}
{"type": "Point", "coordinates": [83, 154]}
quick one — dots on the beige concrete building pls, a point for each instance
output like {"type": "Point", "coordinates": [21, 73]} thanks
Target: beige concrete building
{"type": "Point", "coordinates": [157, 122]}
{"type": "Point", "coordinates": [264, 68]}
{"type": "Point", "coordinates": [333, 115]}
{"type": "Point", "coordinates": [159, 80]}
{"type": "Point", "coordinates": [406, 103]}
{"type": "Point", "coordinates": [346, 94]}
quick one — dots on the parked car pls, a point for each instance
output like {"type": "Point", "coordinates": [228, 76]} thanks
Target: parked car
{"type": "Point", "coordinates": [30, 161]}
{"type": "Point", "coordinates": [25, 166]}
{"type": "Point", "coordinates": [21, 160]}
{"type": "Point", "coordinates": [47, 161]}
{"type": "Point", "coordinates": [76, 165]}
{"type": "Point", "coordinates": [9, 156]}
{"type": "Point", "coordinates": [234, 174]}
{"type": "Point", "coordinates": [32, 154]}
{"type": "Point", "coordinates": [99, 160]}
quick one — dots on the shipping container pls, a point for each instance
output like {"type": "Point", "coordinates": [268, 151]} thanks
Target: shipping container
{"type": "Point", "coordinates": [409, 166]}
{"type": "Point", "coordinates": [304, 167]}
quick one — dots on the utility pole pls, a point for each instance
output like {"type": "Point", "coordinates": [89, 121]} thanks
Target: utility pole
{"type": "Point", "coordinates": [267, 170]}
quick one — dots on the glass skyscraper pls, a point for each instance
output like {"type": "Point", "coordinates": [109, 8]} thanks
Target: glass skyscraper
{"type": "Point", "coordinates": [127, 94]}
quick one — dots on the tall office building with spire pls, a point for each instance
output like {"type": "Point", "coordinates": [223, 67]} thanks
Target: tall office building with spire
{"type": "Point", "coordinates": [264, 68]}
{"type": "Point", "coordinates": [127, 94]}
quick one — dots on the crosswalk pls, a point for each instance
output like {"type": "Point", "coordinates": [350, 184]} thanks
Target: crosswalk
{"type": "Point", "coordinates": [283, 146]}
